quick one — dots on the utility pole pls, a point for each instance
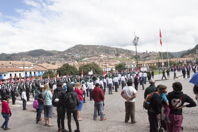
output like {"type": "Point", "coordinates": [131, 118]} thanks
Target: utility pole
{"type": "Point", "coordinates": [135, 43]}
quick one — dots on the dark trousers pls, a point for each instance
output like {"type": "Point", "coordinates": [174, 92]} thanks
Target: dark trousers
{"type": "Point", "coordinates": [90, 96]}
{"type": "Point", "coordinates": [164, 76]}
{"type": "Point", "coordinates": [153, 121]}
{"type": "Point", "coordinates": [38, 113]}
{"type": "Point", "coordinates": [24, 104]}
{"type": "Point", "coordinates": [13, 99]}
{"type": "Point", "coordinates": [61, 117]}
{"type": "Point", "coordinates": [6, 118]}
{"type": "Point", "coordinates": [110, 88]}
{"type": "Point", "coordinates": [136, 86]}
{"type": "Point", "coordinates": [130, 111]}
{"type": "Point", "coordinates": [75, 119]}
{"type": "Point", "coordinates": [116, 86]}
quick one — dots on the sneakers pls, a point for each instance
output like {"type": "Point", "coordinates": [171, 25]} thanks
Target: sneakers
{"type": "Point", "coordinates": [133, 122]}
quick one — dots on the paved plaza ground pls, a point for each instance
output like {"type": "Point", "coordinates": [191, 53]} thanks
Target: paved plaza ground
{"type": "Point", "coordinates": [24, 121]}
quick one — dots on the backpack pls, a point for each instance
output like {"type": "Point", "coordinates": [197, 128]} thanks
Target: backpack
{"type": "Point", "coordinates": [146, 103]}
{"type": "Point", "coordinates": [57, 98]}
{"type": "Point", "coordinates": [71, 101]}
{"type": "Point", "coordinates": [35, 104]}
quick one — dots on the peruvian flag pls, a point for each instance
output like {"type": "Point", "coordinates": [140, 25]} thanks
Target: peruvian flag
{"type": "Point", "coordinates": [160, 34]}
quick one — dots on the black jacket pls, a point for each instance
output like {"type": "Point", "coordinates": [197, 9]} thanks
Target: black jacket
{"type": "Point", "coordinates": [177, 99]}
{"type": "Point", "coordinates": [156, 103]}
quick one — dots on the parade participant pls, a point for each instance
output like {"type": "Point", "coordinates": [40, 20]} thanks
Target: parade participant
{"type": "Point", "coordinates": [47, 105]}
{"type": "Point", "coordinates": [129, 94]}
{"type": "Point", "coordinates": [58, 102]}
{"type": "Point", "coordinates": [79, 92]}
{"type": "Point", "coordinates": [116, 83]}
{"type": "Point", "coordinates": [24, 98]}
{"type": "Point", "coordinates": [98, 96]}
{"type": "Point", "coordinates": [6, 112]}
{"type": "Point", "coordinates": [71, 103]}
{"type": "Point", "coordinates": [110, 85]}
{"type": "Point", "coordinates": [90, 87]}
{"type": "Point", "coordinates": [136, 81]}
{"type": "Point", "coordinates": [176, 100]}
{"type": "Point", "coordinates": [163, 75]}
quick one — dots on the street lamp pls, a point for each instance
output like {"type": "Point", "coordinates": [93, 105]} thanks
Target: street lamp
{"type": "Point", "coordinates": [135, 43]}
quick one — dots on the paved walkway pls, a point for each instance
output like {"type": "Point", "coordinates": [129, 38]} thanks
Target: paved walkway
{"type": "Point", "coordinates": [114, 110]}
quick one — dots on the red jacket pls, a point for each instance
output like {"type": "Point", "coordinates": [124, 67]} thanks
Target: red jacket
{"type": "Point", "coordinates": [98, 94]}
{"type": "Point", "coordinates": [79, 93]}
{"type": "Point", "coordinates": [5, 107]}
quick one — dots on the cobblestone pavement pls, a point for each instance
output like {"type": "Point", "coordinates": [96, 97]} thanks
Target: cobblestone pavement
{"type": "Point", "coordinates": [114, 110]}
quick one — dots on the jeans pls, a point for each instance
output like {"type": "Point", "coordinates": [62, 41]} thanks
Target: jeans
{"type": "Point", "coordinates": [6, 117]}
{"type": "Point", "coordinates": [98, 108]}
{"type": "Point", "coordinates": [38, 112]}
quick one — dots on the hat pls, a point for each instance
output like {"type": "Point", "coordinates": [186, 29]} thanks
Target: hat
{"type": "Point", "coordinates": [152, 81]}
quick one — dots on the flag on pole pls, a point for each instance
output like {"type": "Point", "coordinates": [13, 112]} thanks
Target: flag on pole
{"type": "Point", "coordinates": [160, 34]}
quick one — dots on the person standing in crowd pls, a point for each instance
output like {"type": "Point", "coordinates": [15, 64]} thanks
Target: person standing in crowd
{"type": "Point", "coordinates": [6, 112]}
{"type": "Point", "coordinates": [40, 99]}
{"type": "Point", "coordinates": [168, 72]}
{"type": "Point", "coordinates": [174, 73]}
{"type": "Point", "coordinates": [13, 94]}
{"type": "Point", "coordinates": [98, 97]}
{"type": "Point", "coordinates": [110, 85]}
{"type": "Point", "coordinates": [150, 89]}
{"type": "Point", "coordinates": [47, 105]}
{"type": "Point", "coordinates": [129, 94]}
{"type": "Point", "coordinates": [79, 92]}
{"type": "Point", "coordinates": [24, 98]}
{"type": "Point", "coordinates": [71, 103]}
{"type": "Point", "coordinates": [163, 75]}
{"type": "Point", "coordinates": [90, 87]}
{"type": "Point", "coordinates": [188, 71]}
{"type": "Point", "coordinates": [155, 107]}
{"type": "Point", "coordinates": [184, 72]}
{"type": "Point", "coordinates": [105, 84]}
{"type": "Point", "coordinates": [58, 101]}
{"type": "Point", "coordinates": [116, 83]}
{"type": "Point", "coordinates": [152, 74]}
{"type": "Point", "coordinates": [84, 88]}
{"type": "Point", "coordinates": [176, 100]}
{"type": "Point", "coordinates": [123, 81]}
{"type": "Point", "coordinates": [136, 81]}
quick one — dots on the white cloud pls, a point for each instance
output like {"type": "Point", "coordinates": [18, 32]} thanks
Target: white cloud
{"type": "Point", "coordinates": [60, 24]}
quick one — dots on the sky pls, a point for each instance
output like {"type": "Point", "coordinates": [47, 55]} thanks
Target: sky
{"type": "Point", "coordinates": [60, 24]}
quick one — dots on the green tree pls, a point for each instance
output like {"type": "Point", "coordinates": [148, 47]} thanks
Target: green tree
{"type": "Point", "coordinates": [91, 66]}
{"type": "Point", "coordinates": [49, 73]}
{"type": "Point", "coordinates": [120, 67]}
{"type": "Point", "coordinates": [67, 69]}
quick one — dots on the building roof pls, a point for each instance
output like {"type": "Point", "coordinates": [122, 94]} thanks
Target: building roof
{"type": "Point", "coordinates": [49, 66]}
{"type": "Point", "coordinates": [15, 64]}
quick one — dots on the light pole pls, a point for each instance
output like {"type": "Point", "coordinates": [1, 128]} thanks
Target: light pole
{"type": "Point", "coordinates": [135, 43]}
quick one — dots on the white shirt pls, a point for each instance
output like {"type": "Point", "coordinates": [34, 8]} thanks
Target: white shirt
{"type": "Point", "coordinates": [23, 95]}
{"type": "Point", "coordinates": [110, 81]}
{"type": "Point", "coordinates": [122, 78]}
{"type": "Point", "coordinates": [90, 85]}
{"type": "Point", "coordinates": [115, 79]}
{"type": "Point", "coordinates": [129, 91]}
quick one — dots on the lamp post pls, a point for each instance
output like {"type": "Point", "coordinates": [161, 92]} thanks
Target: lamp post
{"type": "Point", "coordinates": [135, 43]}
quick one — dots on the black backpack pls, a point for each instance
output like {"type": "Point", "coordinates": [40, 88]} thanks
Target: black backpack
{"type": "Point", "coordinates": [72, 101]}
{"type": "Point", "coordinates": [58, 97]}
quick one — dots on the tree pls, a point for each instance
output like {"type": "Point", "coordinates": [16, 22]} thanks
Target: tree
{"type": "Point", "coordinates": [67, 69]}
{"type": "Point", "coordinates": [120, 67]}
{"type": "Point", "coordinates": [49, 74]}
{"type": "Point", "coordinates": [90, 67]}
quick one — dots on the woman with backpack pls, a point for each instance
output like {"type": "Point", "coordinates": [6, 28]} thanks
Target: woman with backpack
{"type": "Point", "coordinates": [71, 103]}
